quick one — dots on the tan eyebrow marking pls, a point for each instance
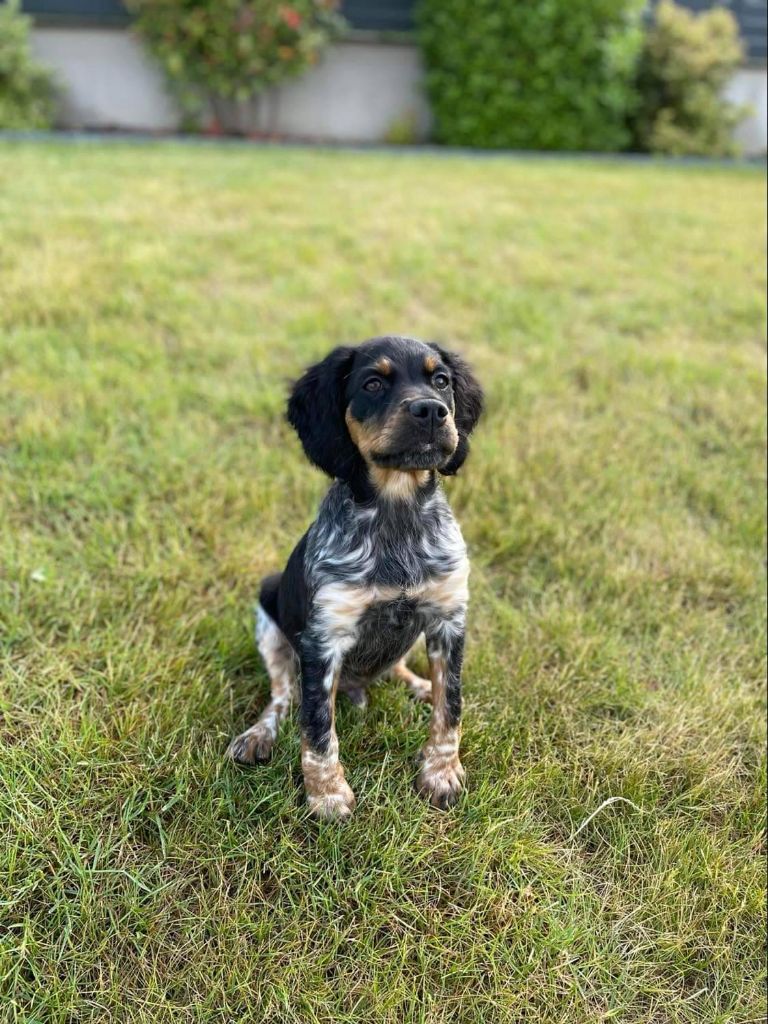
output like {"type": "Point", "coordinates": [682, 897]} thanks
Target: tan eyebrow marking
{"type": "Point", "coordinates": [430, 362]}
{"type": "Point", "coordinates": [383, 366]}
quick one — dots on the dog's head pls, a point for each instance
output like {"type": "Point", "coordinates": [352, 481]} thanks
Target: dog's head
{"type": "Point", "coordinates": [395, 403]}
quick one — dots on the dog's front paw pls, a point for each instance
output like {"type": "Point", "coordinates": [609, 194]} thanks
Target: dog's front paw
{"type": "Point", "coordinates": [253, 746]}
{"type": "Point", "coordinates": [334, 802]}
{"type": "Point", "coordinates": [440, 780]}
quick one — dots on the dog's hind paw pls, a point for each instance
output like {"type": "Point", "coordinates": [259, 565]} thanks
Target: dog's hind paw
{"type": "Point", "coordinates": [254, 746]}
{"type": "Point", "coordinates": [357, 696]}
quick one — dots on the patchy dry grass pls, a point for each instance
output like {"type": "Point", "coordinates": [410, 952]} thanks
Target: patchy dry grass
{"type": "Point", "coordinates": [153, 300]}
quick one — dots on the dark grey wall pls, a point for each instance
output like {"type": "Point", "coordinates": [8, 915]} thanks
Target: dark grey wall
{"type": "Point", "coordinates": [395, 15]}
{"type": "Point", "coordinates": [392, 15]}
{"type": "Point", "coordinates": [97, 12]}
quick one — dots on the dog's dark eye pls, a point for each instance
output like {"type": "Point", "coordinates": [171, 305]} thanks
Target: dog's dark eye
{"type": "Point", "coordinates": [374, 384]}
{"type": "Point", "coordinates": [440, 380]}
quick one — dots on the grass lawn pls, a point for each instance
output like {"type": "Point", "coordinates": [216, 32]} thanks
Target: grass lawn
{"type": "Point", "coordinates": [153, 302]}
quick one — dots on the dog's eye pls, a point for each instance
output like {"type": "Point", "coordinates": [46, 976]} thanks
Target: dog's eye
{"type": "Point", "coordinates": [374, 384]}
{"type": "Point", "coordinates": [440, 380]}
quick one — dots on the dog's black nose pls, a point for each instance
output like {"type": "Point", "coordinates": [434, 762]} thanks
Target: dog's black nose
{"type": "Point", "coordinates": [430, 411]}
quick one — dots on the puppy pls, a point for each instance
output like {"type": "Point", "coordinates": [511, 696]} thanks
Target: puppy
{"type": "Point", "coordinates": [383, 562]}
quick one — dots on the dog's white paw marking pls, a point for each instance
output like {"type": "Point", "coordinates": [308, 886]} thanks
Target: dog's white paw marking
{"type": "Point", "coordinates": [441, 779]}
{"type": "Point", "coordinates": [335, 802]}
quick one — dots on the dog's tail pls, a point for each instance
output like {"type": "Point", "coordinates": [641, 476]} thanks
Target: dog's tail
{"type": "Point", "coordinates": [268, 591]}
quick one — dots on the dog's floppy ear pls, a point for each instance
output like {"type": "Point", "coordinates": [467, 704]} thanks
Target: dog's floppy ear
{"type": "Point", "coordinates": [468, 400]}
{"type": "Point", "coordinates": [316, 409]}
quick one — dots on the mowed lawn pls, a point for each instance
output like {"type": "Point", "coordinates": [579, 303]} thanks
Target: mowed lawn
{"type": "Point", "coordinates": [154, 300]}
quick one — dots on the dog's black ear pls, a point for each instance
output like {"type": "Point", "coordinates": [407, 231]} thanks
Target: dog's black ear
{"type": "Point", "coordinates": [316, 408]}
{"type": "Point", "coordinates": [468, 399]}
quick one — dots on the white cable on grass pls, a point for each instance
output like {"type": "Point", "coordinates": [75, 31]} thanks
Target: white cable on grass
{"type": "Point", "coordinates": [603, 805]}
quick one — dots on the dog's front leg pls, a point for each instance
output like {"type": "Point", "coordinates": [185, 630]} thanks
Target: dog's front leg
{"type": "Point", "coordinates": [442, 774]}
{"type": "Point", "coordinates": [328, 794]}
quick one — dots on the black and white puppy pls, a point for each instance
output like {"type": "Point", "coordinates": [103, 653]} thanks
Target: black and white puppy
{"type": "Point", "coordinates": [383, 562]}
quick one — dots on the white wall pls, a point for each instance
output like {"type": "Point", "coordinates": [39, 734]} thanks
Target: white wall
{"type": "Point", "coordinates": [105, 79]}
{"type": "Point", "coordinates": [748, 88]}
{"type": "Point", "coordinates": [356, 93]}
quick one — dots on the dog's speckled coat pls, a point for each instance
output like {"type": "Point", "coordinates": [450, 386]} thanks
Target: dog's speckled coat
{"type": "Point", "coordinates": [383, 562]}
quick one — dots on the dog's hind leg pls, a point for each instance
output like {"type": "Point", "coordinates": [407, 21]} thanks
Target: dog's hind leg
{"type": "Point", "coordinates": [256, 743]}
{"type": "Point", "coordinates": [419, 688]}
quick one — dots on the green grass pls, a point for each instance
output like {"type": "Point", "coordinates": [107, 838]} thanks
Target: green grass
{"type": "Point", "coordinates": [153, 302]}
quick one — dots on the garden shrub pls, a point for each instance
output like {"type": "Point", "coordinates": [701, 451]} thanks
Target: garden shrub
{"type": "Point", "coordinates": [686, 61]}
{"type": "Point", "coordinates": [555, 74]}
{"type": "Point", "coordinates": [233, 49]}
{"type": "Point", "coordinates": [26, 88]}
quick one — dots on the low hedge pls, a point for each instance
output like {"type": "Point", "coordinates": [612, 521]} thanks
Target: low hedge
{"type": "Point", "coordinates": [550, 74]}
{"type": "Point", "coordinates": [26, 88]}
{"type": "Point", "coordinates": [233, 49]}
{"type": "Point", "coordinates": [686, 61]}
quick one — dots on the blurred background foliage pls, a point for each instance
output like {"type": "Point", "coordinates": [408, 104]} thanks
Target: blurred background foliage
{"type": "Point", "coordinates": [26, 88]}
{"type": "Point", "coordinates": [685, 63]}
{"type": "Point", "coordinates": [597, 75]}
{"type": "Point", "coordinates": [227, 50]}
{"type": "Point", "coordinates": [554, 75]}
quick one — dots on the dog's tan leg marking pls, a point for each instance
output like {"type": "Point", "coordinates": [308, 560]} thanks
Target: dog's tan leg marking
{"type": "Point", "coordinates": [256, 743]}
{"type": "Point", "coordinates": [419, 688]}
{"type": "Point", "coordinates": [328, 794]}
{"type": "Point", "coordinates": [441, 772]}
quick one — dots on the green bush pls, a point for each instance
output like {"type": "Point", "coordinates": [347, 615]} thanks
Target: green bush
{"type": "Point", "coordinates": [233, 49]}
{"type": "Point", "coordinates": [549, 74]}
{"type": "Point", "coordinates": [686, 61]}
{"type": "Point", "coordinates": [26, 89]}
